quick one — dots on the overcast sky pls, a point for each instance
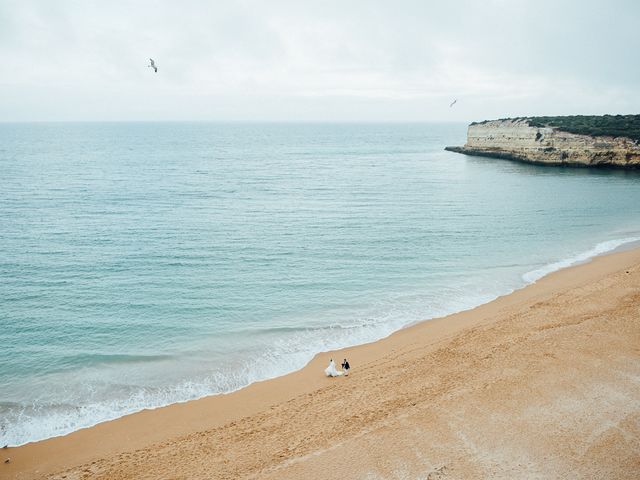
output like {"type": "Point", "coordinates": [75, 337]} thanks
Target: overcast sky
{"type": "Point", "coordinates": [317, 60]}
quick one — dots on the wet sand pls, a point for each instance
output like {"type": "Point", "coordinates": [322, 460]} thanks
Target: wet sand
{"type": "Point", "coordinates": [541, 383]}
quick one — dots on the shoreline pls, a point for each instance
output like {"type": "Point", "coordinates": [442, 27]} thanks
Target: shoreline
{"type": "Point", "coordinates": [150, 427]}
{"type": "Point", "coordinates": [602, 248]}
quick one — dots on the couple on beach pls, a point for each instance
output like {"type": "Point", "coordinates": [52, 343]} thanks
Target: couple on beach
{"type": "Point", "coordinates": [331, 370]}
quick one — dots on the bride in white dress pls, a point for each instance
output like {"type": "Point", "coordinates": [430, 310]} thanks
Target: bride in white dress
{"type": "Point", "coordinates": [331, 371]}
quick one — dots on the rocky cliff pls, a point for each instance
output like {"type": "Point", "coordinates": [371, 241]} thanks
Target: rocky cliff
{"type": "Point", "coordinates": [517, 139]}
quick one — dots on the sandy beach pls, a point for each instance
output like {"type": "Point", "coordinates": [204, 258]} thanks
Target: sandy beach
{"type": "Point", "coordinates": [541, 383]}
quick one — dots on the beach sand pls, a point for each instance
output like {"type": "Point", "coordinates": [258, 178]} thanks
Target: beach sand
{"type": "Point", "coordinates": [541, 383]}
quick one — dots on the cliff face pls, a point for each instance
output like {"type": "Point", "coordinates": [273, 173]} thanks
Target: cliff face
{"type": "Point", "coordinates": [517, 140]}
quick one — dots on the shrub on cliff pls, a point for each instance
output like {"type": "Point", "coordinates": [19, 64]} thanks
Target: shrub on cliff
{"type": "Point", "coordinates": [594, 125]}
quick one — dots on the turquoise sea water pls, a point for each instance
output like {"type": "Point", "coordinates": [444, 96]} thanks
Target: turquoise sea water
{"type": "Point", "coordinates": [144, 264]}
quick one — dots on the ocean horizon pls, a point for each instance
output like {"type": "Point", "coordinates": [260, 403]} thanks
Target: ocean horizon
{"type": "Point", "coordinates": [150, 263]}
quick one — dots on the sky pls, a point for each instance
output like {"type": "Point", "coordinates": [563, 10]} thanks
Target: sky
{"type": "Point", "coordinates": [347, 60]}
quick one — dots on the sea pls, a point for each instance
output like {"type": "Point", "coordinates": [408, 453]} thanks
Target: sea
{"type": "Point", "coordinates": [144, 264]}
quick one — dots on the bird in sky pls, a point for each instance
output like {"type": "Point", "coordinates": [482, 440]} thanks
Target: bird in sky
{"type": "Point", "coordinates": [153, 65]}
{"type": "Point", "coordinates": [450, 105]}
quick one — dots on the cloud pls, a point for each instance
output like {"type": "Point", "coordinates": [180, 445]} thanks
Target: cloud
{"type": "Point", "coordinates": [324, 60]}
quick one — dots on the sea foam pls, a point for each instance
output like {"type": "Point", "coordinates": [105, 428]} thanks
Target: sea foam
{"type": "Point", "coordinates": [599, 249]}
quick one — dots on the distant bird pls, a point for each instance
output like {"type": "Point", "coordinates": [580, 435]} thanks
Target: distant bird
{"type": "Point", "coordinates": [153, 65]}
{"type": "Point", "coordinates": [450, 105]}
{"type": "Point", "coordinates": [8, 460]}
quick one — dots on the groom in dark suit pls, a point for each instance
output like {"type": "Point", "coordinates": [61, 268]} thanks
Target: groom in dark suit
{"type": "Point", "coordinates": [346, 367]}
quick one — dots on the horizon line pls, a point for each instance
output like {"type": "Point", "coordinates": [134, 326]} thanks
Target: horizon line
{"type": "Point", "coordinates": [242, 121]}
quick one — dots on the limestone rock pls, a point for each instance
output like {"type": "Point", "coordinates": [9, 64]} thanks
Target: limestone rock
{"type": "Point", "coordinates": [515, 139]}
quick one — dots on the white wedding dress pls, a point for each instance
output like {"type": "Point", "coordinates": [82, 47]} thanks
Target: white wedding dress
{"type": "Point", "coordinates": [331, 371]}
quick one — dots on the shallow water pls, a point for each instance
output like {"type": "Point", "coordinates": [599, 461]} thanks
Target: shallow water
{"type": "Point", "coordinates": [148, 263]}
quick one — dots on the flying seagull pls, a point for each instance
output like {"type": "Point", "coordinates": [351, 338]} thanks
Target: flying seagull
{"type": "Point", "coordinates": [450, 105]}
{"type": "Point", "coordinates": [153, 65]}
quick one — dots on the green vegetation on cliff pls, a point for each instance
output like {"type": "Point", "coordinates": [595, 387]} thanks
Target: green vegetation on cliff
{"type": "Point", "coordinates": [594, 125]}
